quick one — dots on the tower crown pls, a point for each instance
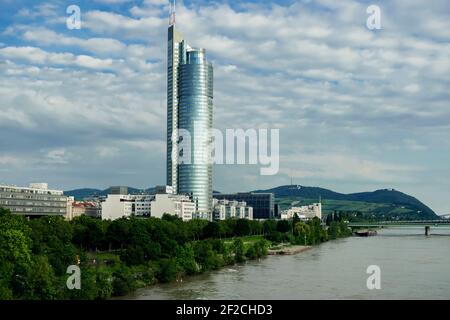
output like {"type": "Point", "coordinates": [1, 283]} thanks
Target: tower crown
{"type": "Point", "coordinates": [172, 13]}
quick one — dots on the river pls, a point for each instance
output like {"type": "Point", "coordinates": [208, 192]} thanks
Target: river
{"type": "Point", "coordinates": [412, 267]}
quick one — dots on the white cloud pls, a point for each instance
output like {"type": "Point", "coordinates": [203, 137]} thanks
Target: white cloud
{"type": "Point", "coordinates": [360, 105]}
{"type": "Point", "coordinates": [44, 36]}
{"type": "Point", "coordinates": [41, 57]}
{"type": "Point", "coordinates": [347, 167]}
{"type": "Point", "coordinates": [56, 156]}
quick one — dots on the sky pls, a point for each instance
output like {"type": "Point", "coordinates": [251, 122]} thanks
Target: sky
{"type": "Point", "coordinates": [357, 109]}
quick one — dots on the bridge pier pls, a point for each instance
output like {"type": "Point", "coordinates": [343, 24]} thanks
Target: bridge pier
{"type": "Point", "coordinates": [427, 231]}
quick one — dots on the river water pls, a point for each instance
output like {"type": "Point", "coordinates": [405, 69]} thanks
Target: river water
{"type": "Point", "coordinates": [412, 267]}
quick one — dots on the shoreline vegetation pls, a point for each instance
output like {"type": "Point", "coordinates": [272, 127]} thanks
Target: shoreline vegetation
{"type": "Point", "coordinates": [288, 249]}
{"type": "Point", "coordinates": [117, 257]}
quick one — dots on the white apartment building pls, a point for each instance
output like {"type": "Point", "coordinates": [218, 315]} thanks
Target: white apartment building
{"type": "Point", "coordinates": [179, 205]}
{"type": "Point", "coordinates": [35, 200]}
{"type": "Point", "coordinates": [116, 206]}
{"type": "Point", "coordinates": [303, 212]}
{"type": "Point", "coordinates": [229, 209]}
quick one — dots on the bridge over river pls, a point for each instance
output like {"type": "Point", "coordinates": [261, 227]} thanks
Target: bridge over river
{"type": "Point", "coordinates": [414, 224]}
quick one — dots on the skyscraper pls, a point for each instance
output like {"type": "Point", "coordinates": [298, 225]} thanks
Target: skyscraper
{"type": "Point", "coordinates": [189, 109]}
{"type": "Point", "coordinates": [174, 41]}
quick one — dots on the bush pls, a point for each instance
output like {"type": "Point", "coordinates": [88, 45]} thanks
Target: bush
{"type": "Point", "coordinates": [168, 270]}
{"type": "Point", "coordinates": [186, 259]}
{"type": "Point", "coordinates": [275, 237]}
{"type": "Point", "coordinates": [123, 281]}
{"type": "Point", "coordinates": [238, 248]}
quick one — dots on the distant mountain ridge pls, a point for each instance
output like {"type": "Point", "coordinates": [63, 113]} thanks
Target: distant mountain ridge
{"type": "Point", "coordinates": [383, 196]}
{"type": "Point", "coordinates": [388, 199]}
{"type": "Point", "coordinates": [80, 194]}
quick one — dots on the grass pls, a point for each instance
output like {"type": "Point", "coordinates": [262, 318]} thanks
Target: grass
{"type": "Point", "coordinates": [248, 240]}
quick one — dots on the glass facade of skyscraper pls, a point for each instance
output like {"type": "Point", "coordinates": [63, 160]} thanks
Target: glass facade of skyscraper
{"type": "Point", "coordinates": [263, 203]}
{"type": "Point", "coordinates": [190, 109]}
{"type": "Point", "coordinates": [195, 116]}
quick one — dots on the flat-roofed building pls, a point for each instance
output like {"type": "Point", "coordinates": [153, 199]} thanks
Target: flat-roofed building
{"type": "Point", "coordinates": [117, 206]}
{"type": "Point", "coordinates": [226, 209]}
{"type": "Point", "coordinates": [263, 204]}
{"type": "Point", "coordinates": [33, 201]}
{"type": "Point", "coordinates": [304, 212]}
{"type": "Point", "coordinates": [174, 204]}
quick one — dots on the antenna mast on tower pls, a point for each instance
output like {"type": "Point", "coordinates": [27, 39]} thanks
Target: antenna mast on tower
{"type": "Point", "coordinates": [172, 13]}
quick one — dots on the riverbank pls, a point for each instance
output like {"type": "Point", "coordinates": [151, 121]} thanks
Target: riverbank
{"type": "Point", "coordinates": [288, 250]}
{"type": "Point", "coordinates": [413, 267]}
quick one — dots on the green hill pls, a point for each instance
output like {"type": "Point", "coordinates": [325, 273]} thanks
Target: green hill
{"type": "Point", "coordinates": [80, 194]}
{"type": "Point", "coordinates": [385, 203]}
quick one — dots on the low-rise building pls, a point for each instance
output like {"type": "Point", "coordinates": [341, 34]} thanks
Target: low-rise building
{"type": "Point", "coordinates": [79, 208]}
{"type": "Point", "coordinates": [33, 201]}
{"type": "Point", "coordinates": [229, 209]}
{"type": "Point", "coordinates": [304, 212]}
{"type": "Point", "coordinates": [174, 204]}
{"type": "Point", "coordinates": [116, 206]}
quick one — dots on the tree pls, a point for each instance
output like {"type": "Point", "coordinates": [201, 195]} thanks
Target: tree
{"type": "Point", "coordinates": [40, 281]}
{"type": "Point", "coordinates": [251, 252]}
{"type": "Point", "coordinates": [317, 227]}
{"type": "Point", "coordinates": [225, 229]}
{"type": "Point", "coordinates": [301, 232]}
{"type": "Point", "coordinates": [123, 281]}
{"type": "Point", "coordinates": [329, 219]}
{"type": "Point", "coordinates": [204, 255]}
{"type": "Point", "coordinates": [168, 270]}
{"type": "Point", "coordinates": [5, 291]}
{"type": "Point", "coordinates": [89, 232]}
{"type": "Point", "coordinates": [344, 230]}
{"type": "Point", "coordinates": [238, 249]}
{"type": "Point", "coordinates": [257, 250]}
{"type": "Point", "coordinates": [171, 218]}
{"type": "Point", "coordinates": [242, 227]}
{"type": "Point", "coordinates": [295, 219]}
{"type": "Point", "coordinates": [333, 230]}
{"type": "Point", "coordinates": [269, 226]}
{"type": "Point", "coordinates": [52, 236]}
{"type": "Point", "coordinates": [186, 259]}
{"type": "Point", "coordinates": [117, 233]}
{"type": "Point", "coordinates": [195, 228]}
{"type": "Point", "coordinates": [212, 230]}
{"type": "Point", "coordinates": [15, 254]}
{"type": "Point", "coordinates": [283, 226]}
{"type": "Point", "coordinates": [256, 227]}
{"type": "Point", "coordinates": [104, 284]}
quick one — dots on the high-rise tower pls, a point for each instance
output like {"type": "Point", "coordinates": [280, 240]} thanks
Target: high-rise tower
{"type": "Point", "coordinates": [189, 109]}
{"type": "Point", "coordinates": [173, 59]}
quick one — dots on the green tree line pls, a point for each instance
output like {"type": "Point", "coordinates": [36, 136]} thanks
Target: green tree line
{"type": "Point", "coordinates": [116, 257]}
